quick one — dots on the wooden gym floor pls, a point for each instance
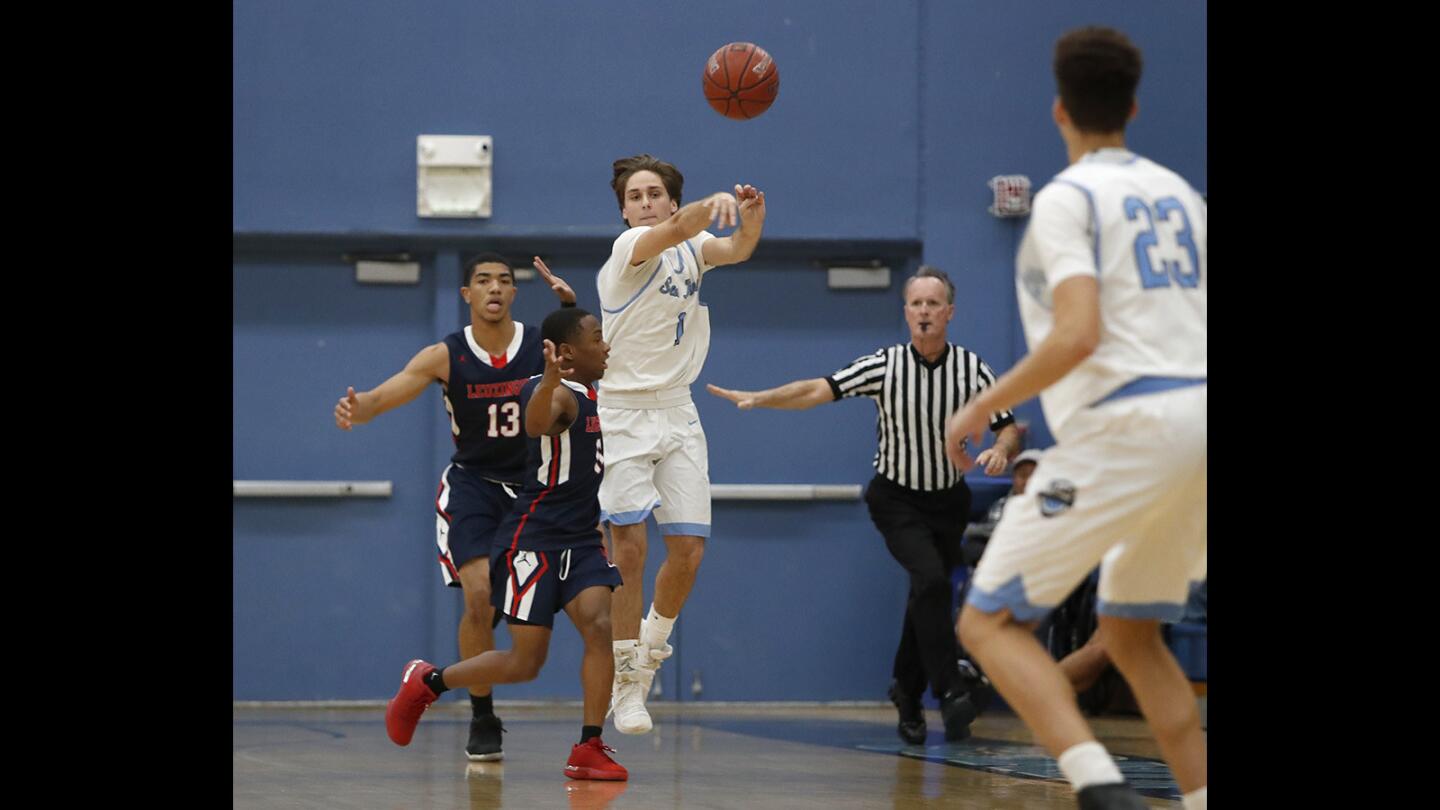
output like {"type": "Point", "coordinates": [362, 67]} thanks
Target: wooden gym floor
{"type": "Point", "coordinates": [698, 756]}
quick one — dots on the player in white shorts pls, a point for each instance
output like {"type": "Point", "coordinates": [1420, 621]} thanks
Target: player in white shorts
{"type": "Point", "coordinates": [655, 455]}
{"type": "Point", "coordinates": [1111, 276]}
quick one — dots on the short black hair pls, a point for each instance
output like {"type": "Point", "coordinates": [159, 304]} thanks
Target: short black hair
{"type": "Point", "coordinates": [485, 258]}
{"type": "Point", "coordinates": [1097, 70]}
{"type": "Point", "coordinates": [562, 325]}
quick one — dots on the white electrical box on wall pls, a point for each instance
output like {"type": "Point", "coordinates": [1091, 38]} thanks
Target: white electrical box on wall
{"type": "Point", "coordinates": [452, 175]}
{"type": "Point", "coordinates": [857, 278]}
{"type": "Point", "coordinates": [380, 272]}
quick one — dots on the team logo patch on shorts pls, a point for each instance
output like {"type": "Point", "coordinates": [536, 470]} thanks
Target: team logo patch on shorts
{"type": "Point", "coordinates": [1056, 497]}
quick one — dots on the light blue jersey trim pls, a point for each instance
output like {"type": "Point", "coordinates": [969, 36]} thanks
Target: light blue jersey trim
{"type": "Point", "coordinates": [1148, 385]}
{"type": "Point", "coordinates": [642, 289]}
{"type": "Point", "coordinates": [1111, 155]}
{"type": "Point", "coordinates": [699, 271]}
{"type": "Point", "coordinates": [1094, 217]}
{"type": "Point", "coordinates": [628, 518]}
{"type": "Point", "coordinates": [695, 529]}
{"type": "Point", "coordinates": [1010, 595]}
{"type": "Point", "coordinates": [1162, 611]}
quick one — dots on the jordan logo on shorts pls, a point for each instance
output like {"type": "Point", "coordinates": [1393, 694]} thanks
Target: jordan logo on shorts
{"type": "Point", "coordinates": [1056, 497]}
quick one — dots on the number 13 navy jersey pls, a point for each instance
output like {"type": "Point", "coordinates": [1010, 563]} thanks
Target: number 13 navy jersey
{"type": "Point", "coordinates": [558, 506]}
{"type": "Point", "coordinates": [483, 401]}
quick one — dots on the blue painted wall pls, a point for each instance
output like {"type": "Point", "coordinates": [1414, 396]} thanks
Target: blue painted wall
{"type": "Point", "coordinates": [891, 117]}
{"type": "Point", "coordinates": [330, 96]}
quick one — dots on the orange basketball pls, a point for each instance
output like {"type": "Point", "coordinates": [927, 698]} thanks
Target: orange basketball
{"type": "Point", "coordinates": [740, 80]}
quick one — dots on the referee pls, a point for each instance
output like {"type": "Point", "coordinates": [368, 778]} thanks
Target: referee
{"type": "Point", "coordinates": [917, 499]}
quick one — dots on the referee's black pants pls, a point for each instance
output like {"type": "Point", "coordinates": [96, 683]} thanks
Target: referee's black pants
{"type": "Point", "coordinates": [923, 532]}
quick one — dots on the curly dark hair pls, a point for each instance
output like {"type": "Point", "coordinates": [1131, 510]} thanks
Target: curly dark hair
{"type": "Point", "coordinates": [1097, 70]}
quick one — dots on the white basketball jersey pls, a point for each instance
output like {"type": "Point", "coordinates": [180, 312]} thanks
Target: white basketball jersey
{"type": "Point", "coordinates": [1140, 230]}
{"type": "Point", "coordinates": [658, 331]}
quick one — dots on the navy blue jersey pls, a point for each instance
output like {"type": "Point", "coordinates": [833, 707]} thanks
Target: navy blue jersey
{"type": "Point", "coordinates": [559, 502]}
{"type": "Point", "coordinates": [483, 400]}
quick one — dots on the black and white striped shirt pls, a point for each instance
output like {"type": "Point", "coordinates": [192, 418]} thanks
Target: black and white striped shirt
{"type": "Point", "coordinates": [914, 398]}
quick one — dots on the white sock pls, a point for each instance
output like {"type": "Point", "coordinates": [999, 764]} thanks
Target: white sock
{"type": "Point", "coordinates": [655, 631]}
{"type": "Point", "coordinates": [1089, 764]}
{"type": "Point", "coordinates": [623, 648]}
{"type": "Point", "coordinates": [1196, 800]}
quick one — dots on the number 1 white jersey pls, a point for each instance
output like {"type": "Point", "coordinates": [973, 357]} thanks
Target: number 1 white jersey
{"type": "Point", "coordinates": [1140, 230]}
{"type": "Point", "coordinates": [658, 331]}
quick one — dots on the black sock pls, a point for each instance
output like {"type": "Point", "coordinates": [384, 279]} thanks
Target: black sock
{"type": "Point", "coordinates": [436, 682]}
{"type": "Point", "coordinates": [586, 732]}
{"type": "Point", "coordinates": [482, 706]}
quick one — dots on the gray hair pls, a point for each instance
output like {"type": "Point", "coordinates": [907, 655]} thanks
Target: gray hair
{"type": "Point", "coordinates": [930, 271]}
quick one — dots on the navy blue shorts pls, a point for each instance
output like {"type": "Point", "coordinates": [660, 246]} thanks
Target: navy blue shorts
{"type": "Point", "coordinates": [468, 510]}
{"type": "Point", "coordinates": [530, 587]}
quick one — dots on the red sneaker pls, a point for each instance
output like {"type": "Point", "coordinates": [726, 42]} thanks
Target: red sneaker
{"type": "Point", "coordinates": [403, 711]}
{"type": "Point", "coordinates": [589, 761]}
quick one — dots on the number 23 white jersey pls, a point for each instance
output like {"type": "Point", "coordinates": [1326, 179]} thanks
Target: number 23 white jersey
{"type": "Point", "coordinates": [1140, 230]}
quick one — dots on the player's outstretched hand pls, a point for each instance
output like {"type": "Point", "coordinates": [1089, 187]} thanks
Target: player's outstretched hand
{"type": "Point", "coordinates": [557, 284]}
{"type": "Point", "coordinates": [554, 365]}
{"type": "Point", "coordinates": [346, 409]}
{"type": "Point", "coordinates": [724, 211]}
{"type": "Point", "coordinates": [744, 400]}
{"type": "Point", "coordinates": [993, 460]}
{"type": "Point", "coordinates": [752, 203]}
{"type": "Point", "coordinates": [967, 423]}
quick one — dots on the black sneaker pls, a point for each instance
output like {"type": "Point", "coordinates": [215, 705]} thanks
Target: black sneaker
{"type": "Point", "coordinates": [484, 745]}
{"type": "Point", "coordinates": [1113, 796]}
{"type": "Point", "coordinates": [912, 715]}
{"type": "Point", "coordinates": [973, 681]}
{"type": "Point", "coordinates": [958, 711]}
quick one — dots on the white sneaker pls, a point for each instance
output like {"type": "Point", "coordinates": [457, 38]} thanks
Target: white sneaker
{"type": "Point", "coordinates": [627, 697]}
{"type": "Point", "coordinates": [655, 655]}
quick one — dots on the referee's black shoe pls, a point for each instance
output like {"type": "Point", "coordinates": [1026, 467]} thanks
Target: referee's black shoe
{"type": "Point", "coordinates": [484, 745]}
{"type": "Point", "coordinates": [912, 715]}
{"type": "Point", "coordinates": [958, 711]}
{"type": "Point", "coordinates": [973, 681]}
{"type": "Point", "coordinates": [1113, 796]}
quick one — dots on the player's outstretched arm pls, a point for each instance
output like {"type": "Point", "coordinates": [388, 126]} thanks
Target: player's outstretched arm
{"type": "Point", "coordinates": [997, 458]}
{"type": "Point", "coordinates": [1075, 336]}
{"type": "Point", "coordinates": [793, 396]}
{"type": "Point", "coordinates": [739, 246]}
{"type": "Point", "coordinates": [557, 284]}
{"type": "Point", "coordinates": [720, 208]}
{"type": "Point", "coordinates": [431, 364]}
{"type": "Point", "coordinates": [552, 406]}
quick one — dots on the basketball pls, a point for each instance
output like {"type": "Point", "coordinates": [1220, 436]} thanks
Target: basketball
{"type": "Point", "coordinates": [740, 80]}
